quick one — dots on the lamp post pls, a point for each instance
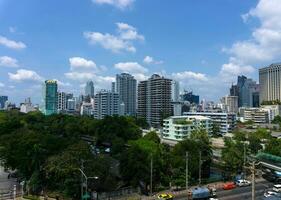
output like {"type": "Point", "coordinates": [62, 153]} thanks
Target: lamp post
{"type": "Point", "coordinates": [86, 178]}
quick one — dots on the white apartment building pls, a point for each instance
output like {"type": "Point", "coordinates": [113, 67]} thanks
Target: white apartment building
{"type": "Point", "coordinates": [180, 127]}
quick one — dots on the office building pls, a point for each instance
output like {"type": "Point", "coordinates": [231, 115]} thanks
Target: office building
{"type": "Point", "coordinates": [175, 91]}
{"type": "Point", "coordinates": [230, 103]}
{"type": "Point", "coordinates": [106, 103]}
{"type": "Point", "coordinates": [270, 83]}
{"type": "Point", "coordinates": [179, 128]}
{"type": "Point", "coordinates": [154, 100]}
{"type": "Point", "coordinates": [3, 100]}
{"type": "Point", "coordinates": [126, 86]}
{"type": "Point", "coordinates": [247, 91]}
{"type": "Point", "coordinates": [89, 89]}
{"type": "Point", "coordinates": [50, 97]}
{"type": "Point", "coordinates": [257, 115]}
{"type": "Point", "coordinates": [71, 105]}
{"type": "Point", "coordinates": [226, 121]}
{"type": "Point", "coordinates": [27, 106]}
{"type": "Point", "coordinates": [86, 109]}
{"type": "Point", "coordinates": [190, 97]}
{"type": "Point", "coordinates": [62, 102]}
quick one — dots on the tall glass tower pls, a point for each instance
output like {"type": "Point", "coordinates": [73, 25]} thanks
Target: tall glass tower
{"type": "Point", "coordinates": [50, 97]}
{"type": "Point", "coordinates": [89, 89]}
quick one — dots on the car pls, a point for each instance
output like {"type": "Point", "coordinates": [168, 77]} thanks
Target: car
{"type": "Point", "coordinates": [165, 196]}
{"type": "Point", "coordinates": [213, 199]}
{"type": "Point", "coordinates": [243, 182]}
{"type": "Point", "coordinates": [269, 194]}
{"type": "Point", "coordinates": [229, 186]}
{"type": "Point", "coordinates": [277, 188]}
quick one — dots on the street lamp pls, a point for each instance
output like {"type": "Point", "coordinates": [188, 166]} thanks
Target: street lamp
{"type": "Point", "coordinates": [86, 178]}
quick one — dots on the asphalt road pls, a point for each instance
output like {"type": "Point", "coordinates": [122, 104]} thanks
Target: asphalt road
{"type": "Point", "coordinates": [241, 193]}
{"type": "Point", "coordinates": [6, 185]}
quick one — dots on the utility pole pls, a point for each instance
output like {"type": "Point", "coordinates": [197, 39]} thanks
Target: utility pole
{"type": "Point", "coordinates": [151, 174]}
{"type": "Point", "coordinates": [186, 173]}
{"type": "Point", "coordinates": [244, 163]}
{"type": "Point", "coordinates": [199, 168]}
{"type": "Point", "coordinates": [253, 180]}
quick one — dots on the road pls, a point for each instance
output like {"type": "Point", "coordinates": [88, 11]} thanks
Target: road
{"type": "Point", "coordinates": [240, 193]}
{"type": "Point", "coordinates": [6, 185]}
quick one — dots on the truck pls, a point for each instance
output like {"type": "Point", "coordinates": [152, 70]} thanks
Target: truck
{"type": "Point", "coordinates": [201, 193]}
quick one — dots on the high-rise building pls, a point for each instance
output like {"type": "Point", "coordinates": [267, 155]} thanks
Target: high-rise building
{"type": "Point", "coordinates": [190, 97]}
{"type": "Point", "coordinates": [270, 82]}
{"type": "Point", "coordinates": [231, 103]}
{"type": "Point", "coordinates": [89, 89]}
{"type": "Point", "coordinates": [50, 97]}
{"type": "Point", "coordinates": [3, 100]}
{"type": "Point", "coordinates": [106, 103]}
{"type": "Point", "coordinates": [175, 91]}
{"type": "Point", "coordinates": [126, 86]}
{"type": "Point", "coordinates": [62, 102]}
{"type": "Point", "coordinates": [247, 91]}
{"type": "Point", "coordinates": [154, 99]}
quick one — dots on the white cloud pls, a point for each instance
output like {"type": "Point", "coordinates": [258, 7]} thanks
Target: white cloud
{"type": "Point", "coordinates": [128, 32]}
{"type": "Point", "coordinates": [6, 61]}
{"type": "Point", "coordinates": [121, 4]}
{"type": "Point", "coordinates": [186, 75]}
{"type": "Point", "coordinates": [81, 63]}
{"type": "Point", "coordinates": [131, 67]}
{"type": "Point", "coordinates": [11, 44]}
{"type": "Point", "coordinates": [150, 60]}
{"type": "Point", "coordinates": [123, 41]}
{"type": "Point", "coordinates": [264, 45]}
{"type": "Point", "coordinates": [25, 75]}
{"type": "Point", "coordinates": [2, 84]}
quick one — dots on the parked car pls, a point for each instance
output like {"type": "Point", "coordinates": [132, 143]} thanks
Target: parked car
{"type": "Point", "coordinates": [243, 182]}
{"type": "Point", "coordinates": [229, 186]}
{"type": "Point", "coordinates": [165, 196]}
{"type": "Point", "coordinates": [269, 193]}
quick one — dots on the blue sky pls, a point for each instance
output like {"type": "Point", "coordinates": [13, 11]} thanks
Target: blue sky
{"type": "Point", "coordinates": [204, 44]}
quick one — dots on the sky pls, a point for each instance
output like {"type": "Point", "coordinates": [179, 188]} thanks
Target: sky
{"type": "Point", "coordinates": [203, 44]}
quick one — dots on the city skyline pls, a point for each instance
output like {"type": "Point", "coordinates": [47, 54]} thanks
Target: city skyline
{"type": "Point", "coordinates": [95, 40]}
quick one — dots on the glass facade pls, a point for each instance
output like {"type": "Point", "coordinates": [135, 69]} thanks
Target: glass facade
{"type": "Point", "coordinates": [50, 97]}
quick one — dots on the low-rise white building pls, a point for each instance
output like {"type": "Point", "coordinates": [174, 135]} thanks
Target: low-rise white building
{"type": "Point", "coordinates": [180, 127]}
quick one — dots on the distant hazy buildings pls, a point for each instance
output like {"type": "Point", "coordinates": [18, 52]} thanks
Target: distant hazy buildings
{"type": "Point", "coordinates": [126, 86]}
{"type": "Point", "coordinates": [50, 97]}
{"type": "Point", "coordinates": [270, 82]}
{"type": "Point", "coordinates": [190, 97]}
{"type": "Point", "coordinates": [180, 127]}
{"type": "Point", "coordinates": [89, 89]}
{"type": "Point", "coordinates": [247, 91]}
{"type": "Point", "coordinates": [106, 103]}
{"type": "Point", "coordinates": [175, 91]}
{"type": "Point", "coordinates": [62, 102]}
{"type": "Point", "coordinates": [3, 100]}
{"type": "Point", "coordinates": [27, 106]}
{"type": "Point", "coordinates": [231, 103]}
{"type": "Point", "coordinates": [154, 99]}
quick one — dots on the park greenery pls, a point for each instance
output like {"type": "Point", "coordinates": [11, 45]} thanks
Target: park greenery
{"type": "Point", "coordinates": [47, 153]}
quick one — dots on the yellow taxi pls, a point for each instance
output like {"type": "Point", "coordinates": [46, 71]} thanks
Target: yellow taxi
{"type": "Point", "coordinates": [165, 196]}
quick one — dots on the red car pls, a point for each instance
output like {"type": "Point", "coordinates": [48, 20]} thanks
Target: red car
{"type": "Point", "coordinates": [229, 186]}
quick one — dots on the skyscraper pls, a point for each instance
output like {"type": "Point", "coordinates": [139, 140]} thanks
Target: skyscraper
{"type": "Point", "coordinates": [89, 89]}
{"type": "Point", "coordinates": [190, 97]}
{"type": "Point", "coordinates": [154, 99]}
{"type": "Point", "coordinates": [62, 101]}
{"type": "Point", "coordinates": [50, 97]}
{"type": "Point", "coordinates": [175, 91]}
{"type": "Point", "coordinates": [231, 103]}
{"type": "Point", "coordinates": [106, 103]}
{"type": "Point", "coordinates": [3, 100]}
{"type": "Point", "coordinates": [126, 86]}
{"type": "Point", "coordinates": [270, 82]}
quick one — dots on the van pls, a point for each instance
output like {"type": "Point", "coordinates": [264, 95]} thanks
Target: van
{"type": "Point", "coordinates": [277, 188]}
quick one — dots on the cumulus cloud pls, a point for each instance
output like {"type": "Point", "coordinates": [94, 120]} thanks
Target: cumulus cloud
{"type": "Point", "coordinates": [186, 75]}
{"type": "Point", "coordinates": [6, 61]}
{"type": "Point", "coordinates": [121, 4]}
{"type": "Point", "coordinates": [264, 45]}
{"type": "Point", "coordinates": [81, 63]}
{"type": "Point", "coordinates": [150, 60]}
{"type": "Point", "coordinates": [11, 44]}
{"type": "Point", "coordinates": [123, 41]}
{"type": "Point", "coordinates": [25, 75]}
{"type": "Point", "coordinates": [130, 67]}
{"type": "Point", "coordinates": [2, 84]}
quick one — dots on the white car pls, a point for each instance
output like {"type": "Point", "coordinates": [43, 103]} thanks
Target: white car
{"type": "Point", "coordinates": [243, 182]}
{"type": "Point", "coordinates": [269, 194]}
{"type": "Point", "coordinates": [277, 188]}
